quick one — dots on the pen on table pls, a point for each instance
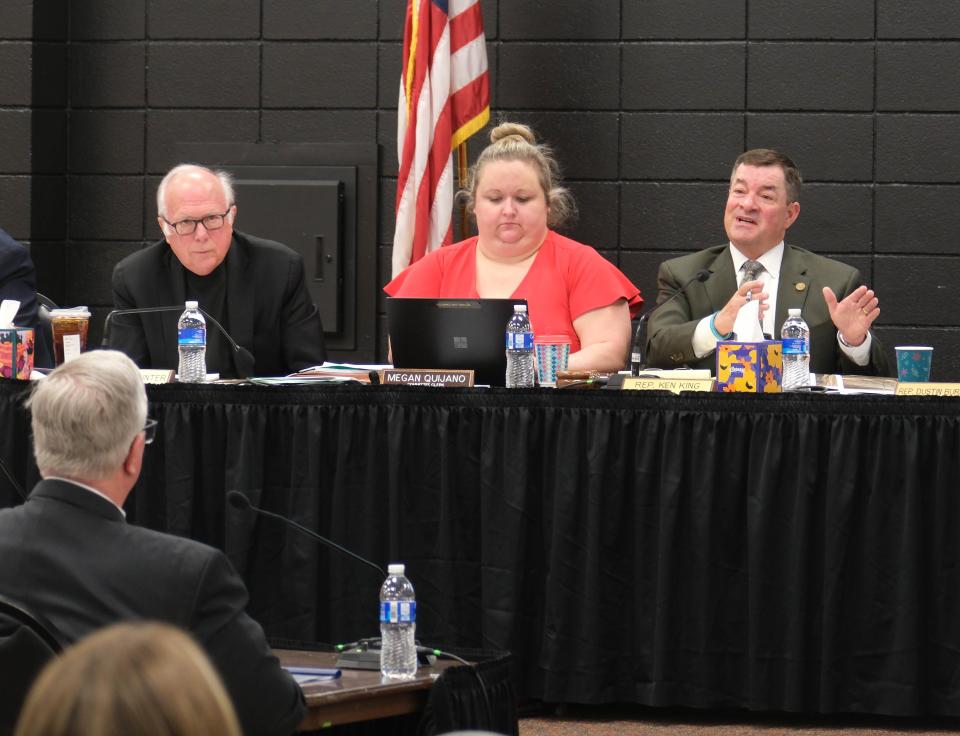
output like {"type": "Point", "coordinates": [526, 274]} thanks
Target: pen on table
{"type": "Point", "coordinates": [315, 671]}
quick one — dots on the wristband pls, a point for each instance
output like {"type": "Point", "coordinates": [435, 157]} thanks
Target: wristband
{"type": "Point", "coordinates": [713, 329]}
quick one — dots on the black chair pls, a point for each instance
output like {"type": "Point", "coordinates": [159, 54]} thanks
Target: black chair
{"type": "Point", "coordinates": [479, 696]}
{"type": "Point", "coordinates": [27, 643]}
{"type": "Point", "coordinates": [43, 339]}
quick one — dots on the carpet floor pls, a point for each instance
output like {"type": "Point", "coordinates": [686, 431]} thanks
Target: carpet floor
{"type": "Point", "coordinates": [639, 721]}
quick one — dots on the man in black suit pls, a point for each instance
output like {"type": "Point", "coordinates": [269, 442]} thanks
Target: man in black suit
{"type": "Point", "coordinates": [69, 555]}
{"type": "Point", "coordinates": [18, 279]}
{"type": "Point", "coordinates": [255, 288]}
{"type": "Point", "coordinates": [762, 203]}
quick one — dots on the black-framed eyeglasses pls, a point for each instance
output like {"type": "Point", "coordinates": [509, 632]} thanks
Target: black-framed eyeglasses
{"type": "Point", "coordinates": [149, 431]}
{"type": "Point", "coordinates": [210, 222]}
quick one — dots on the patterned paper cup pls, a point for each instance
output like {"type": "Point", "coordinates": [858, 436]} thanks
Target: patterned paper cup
{"type": "Point", "coordinates": [553, 352]}
{"type": "Point", "coordinates": [913, 363]}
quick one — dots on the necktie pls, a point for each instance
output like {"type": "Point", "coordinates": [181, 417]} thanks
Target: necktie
{"type": "Point", "coordinates": [752, 271]}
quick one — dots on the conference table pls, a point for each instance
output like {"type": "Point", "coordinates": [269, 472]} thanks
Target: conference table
{"type": "Point", "coordinates": [358, 696]}
{"type": "Point", "coordinates": [791, 552]}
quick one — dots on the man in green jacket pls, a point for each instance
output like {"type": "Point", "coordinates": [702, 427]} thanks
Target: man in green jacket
{"type": "Point", "coordinates": [756, 265]}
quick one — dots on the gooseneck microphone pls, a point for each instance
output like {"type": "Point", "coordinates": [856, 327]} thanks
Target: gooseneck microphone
{"type": "Point", "coordinates": [244, 358]}
{"type": "Point", "coordinates": [241, 502]}
{"type": "Point", "coordinates": [14, 483]}
{"type": "Point", "coordinates": [639, 337]}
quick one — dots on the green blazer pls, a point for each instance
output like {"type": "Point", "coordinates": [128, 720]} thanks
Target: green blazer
{"type": "Point", "coordinates": [802, 277]}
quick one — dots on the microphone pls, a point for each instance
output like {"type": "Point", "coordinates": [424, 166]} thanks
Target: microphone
{"type": "Point", "coordinates": [244, 358]}
{"type": "Point", "coordinates": [13, 481]}
{"type": "Point", "coordinates": [365, 653]}
{"type": "Point", "coordinates": [241, 502]}
{"type": "Point", "coordinates": [636, 351]}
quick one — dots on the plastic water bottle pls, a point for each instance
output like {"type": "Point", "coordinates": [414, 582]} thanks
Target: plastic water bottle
{"type": "Point", "coordinates": [192, 344]}
{"type": "Point", "coordinates": [796, 351]}
{"type": "Point", "coordinates": [398, 625]}
{"type": "Point", "coordinates": [520, 357]}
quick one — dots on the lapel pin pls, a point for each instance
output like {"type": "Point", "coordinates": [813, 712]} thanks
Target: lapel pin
{"type": "Point", "coordinates": [799, 286]}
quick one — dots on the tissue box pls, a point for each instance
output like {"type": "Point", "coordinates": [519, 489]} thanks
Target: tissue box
{"type": "Point", "coordinates": [16, 352]}
{"type": "Point", "coordinates": [753, 367]}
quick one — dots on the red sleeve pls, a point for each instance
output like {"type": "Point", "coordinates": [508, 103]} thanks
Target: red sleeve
{"type": "Point", "coordinates": [594, 282]}
{"type": "Point", "coordinates": [446, 273]}
{"type": "Point", "coordinates": [422, 279]}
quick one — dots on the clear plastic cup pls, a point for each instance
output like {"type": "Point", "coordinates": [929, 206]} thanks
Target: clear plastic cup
{"type": "Point", "coordinates": [553, 352]}
{"type": "Point", "coordinates": [70, 328]}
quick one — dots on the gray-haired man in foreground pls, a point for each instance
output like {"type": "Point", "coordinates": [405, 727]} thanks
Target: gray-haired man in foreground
{"type": "Point", "coordinates": [69, 555]}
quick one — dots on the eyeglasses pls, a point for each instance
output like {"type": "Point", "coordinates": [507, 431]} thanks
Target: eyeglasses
{"type": "Point", "coordinates": [210, 222]}
{"type": "Point", "coordinates": [149, 431]}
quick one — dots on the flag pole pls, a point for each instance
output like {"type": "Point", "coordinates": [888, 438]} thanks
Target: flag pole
{"type": "Point", "coordinates": [462, 177]}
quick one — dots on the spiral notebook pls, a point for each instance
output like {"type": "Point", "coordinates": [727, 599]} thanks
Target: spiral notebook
{"type": "Point", "coordinates": [451, 333]}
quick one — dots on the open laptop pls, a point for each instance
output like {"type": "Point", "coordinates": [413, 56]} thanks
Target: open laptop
{"type": "Point", "coordinates": [451, 333]}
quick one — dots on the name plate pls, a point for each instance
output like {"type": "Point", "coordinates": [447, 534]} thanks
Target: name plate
{"type": "Point", "coordinates": [674, 385]}
{"type": "Point", "coordinates": [156, 375]}
{"type": "Point", "coordinates": [905, 388]}
{"type": "Point", "coordinates": [427, 377]}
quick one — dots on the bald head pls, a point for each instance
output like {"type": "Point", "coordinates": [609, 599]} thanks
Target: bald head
{"type": "Point", "coordinates": [195, 211]}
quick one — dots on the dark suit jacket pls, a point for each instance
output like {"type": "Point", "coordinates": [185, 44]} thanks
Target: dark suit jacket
{"type": "Point", "coordinates": [70, 556]}
{"type": "Point", "coordinates": [802, 277]}
{"type": "Point", "coordinates": [18, 279]}
{"type": "Point", "coordinates": [269, 309]}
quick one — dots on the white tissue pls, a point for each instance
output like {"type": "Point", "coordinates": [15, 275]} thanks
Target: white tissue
{"type": "Point", "coordinates": [747, 324]}
{"type": "Point", "coordinates": [8, 311]}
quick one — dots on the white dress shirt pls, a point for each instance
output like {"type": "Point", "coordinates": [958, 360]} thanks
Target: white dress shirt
{"type": "Point", "coordinates": [705, 342]}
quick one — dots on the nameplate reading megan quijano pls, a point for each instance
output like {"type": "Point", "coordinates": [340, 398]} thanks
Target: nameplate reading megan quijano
{"type": "Point", "coordinates": [439, 377]}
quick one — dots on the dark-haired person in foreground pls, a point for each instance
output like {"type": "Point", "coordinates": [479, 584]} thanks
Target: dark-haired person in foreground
{"type": "Point", "coordinates": [70, 556]}
{"type": "Point", "coordinates": [762, 203]}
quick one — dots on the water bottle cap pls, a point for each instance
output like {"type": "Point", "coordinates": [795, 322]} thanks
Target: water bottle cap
{"type": "Point", "coordinates": [192, 304]}
{"type": "Point", "coordinates": [395, 568]}
{"type": "Point", "coordinates": [519, 307]}
{"type": "Point", "coordinates": [795, 312]}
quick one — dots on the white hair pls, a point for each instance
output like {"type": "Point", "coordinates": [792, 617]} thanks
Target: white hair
{"type": "Point", "coordinates": [85, 414]}
{"type": "Point", "coordinates": [226, 182]}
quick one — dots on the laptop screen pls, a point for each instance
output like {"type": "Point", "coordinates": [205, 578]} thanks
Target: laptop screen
{"type": "Point", "coordinates": [451, 333]}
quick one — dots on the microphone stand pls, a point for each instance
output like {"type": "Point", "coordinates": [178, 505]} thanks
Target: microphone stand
{"type": "Point", "coordinates": [239, 501]}
{"type": "Point", "coordinates": [13, 481]}
{"type": "Point", "coordinates": [363, 654]}
{"type": "Point", "coordinates": [243, 358]}
{"type": "Point", "coordinates": [636, 351]}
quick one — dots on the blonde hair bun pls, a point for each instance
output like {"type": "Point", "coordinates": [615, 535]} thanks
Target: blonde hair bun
{"type": "Point", "coordinates": [517, 142]}
{"type": "Point", "coordinates": [513, 130]}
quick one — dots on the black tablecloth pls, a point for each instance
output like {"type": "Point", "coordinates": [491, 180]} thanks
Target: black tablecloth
{"type": "Point", "coordinates": [788, 552]}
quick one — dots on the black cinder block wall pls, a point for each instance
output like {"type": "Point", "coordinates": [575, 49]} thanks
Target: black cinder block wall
{"type": "Point", "coordinates": [647, 103]}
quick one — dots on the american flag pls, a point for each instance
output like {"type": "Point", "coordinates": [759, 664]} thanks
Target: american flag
{"type": "Point", "coordinates": [444, 99]}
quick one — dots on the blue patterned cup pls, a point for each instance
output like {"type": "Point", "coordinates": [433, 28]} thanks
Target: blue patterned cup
{"type": "Point", "coordinates": [913, 363]}
{"type": "Point", "coordinates": [553, 352]}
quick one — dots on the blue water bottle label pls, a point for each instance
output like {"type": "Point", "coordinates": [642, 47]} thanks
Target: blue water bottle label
{"type": "Point", "coordinates": [398, 612]}
{"type": "Point", "coordinates": [192, 336]}
{"type": "Point", "coordinates": [519, 341]}
{"type": "Point", "coordinates": [794, 346]}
